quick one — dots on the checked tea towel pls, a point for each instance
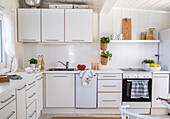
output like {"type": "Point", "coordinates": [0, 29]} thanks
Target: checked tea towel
{"type": "Point", "coordinates": [139, 89]}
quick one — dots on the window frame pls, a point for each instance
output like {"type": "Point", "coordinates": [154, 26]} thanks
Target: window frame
{"type": "Point", "coordinates": [4, 63]}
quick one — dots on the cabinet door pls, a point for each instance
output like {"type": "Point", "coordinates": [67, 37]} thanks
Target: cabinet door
{"type": "Point", "coordinates": [60, 90]}
{"type": "Point", "coordinates": [39, 95]}
{"type": "Point", "coordinates": [21, 102]}
{"type": "Point", "coordinates": [29, 25]}
{"type": "Point", "coordinates": [9, 111]}
{"type": "Point", "coordinates": [160, 89]}
{"type": "Point", "coordinates": [52, 25]}
{"type": "Point", "coordinates": [78, 25]}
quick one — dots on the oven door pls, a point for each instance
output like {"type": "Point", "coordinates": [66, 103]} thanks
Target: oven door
{"type": "Point", "coordinates": [127, 86]}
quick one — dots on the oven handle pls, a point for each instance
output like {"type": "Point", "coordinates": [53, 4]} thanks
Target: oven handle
{"type": "Point", "coordinates": [136, 79]}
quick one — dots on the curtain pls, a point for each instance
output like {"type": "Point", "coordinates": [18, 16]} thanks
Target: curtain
{"type": "Point", "coordinates": [8, 39]}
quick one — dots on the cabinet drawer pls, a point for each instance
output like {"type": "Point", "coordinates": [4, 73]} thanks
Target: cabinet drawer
{"type": "Point", "coordinates": [9, 111]}
{"type": "Point", "coordinates": [109, 99]}
{"type": "Point", "coordinates": [109, 76]}
{"type": "Point", "coordinates": [60, 76]}
{"type": "Point", "coordinates": [31, 95]}
{"type": "Point", "coordinates": [31, 111]}
{"type": "Point", "coordinates": [30, 83]}
{"type": "Point", "coordinates": [8, 97]}
{"type": "Point", "coordinates": [109, 85]}
{"type": "Point", "coordinates": [161, 76]}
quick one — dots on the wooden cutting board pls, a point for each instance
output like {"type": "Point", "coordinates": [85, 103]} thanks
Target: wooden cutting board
{"type": "Point", "coordinates": [127, 29]}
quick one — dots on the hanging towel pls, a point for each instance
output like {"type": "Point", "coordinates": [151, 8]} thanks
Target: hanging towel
{"type": "Point", "coordinates": [86, 76]}
{"type": "Point", "coordinates": [139, 89]}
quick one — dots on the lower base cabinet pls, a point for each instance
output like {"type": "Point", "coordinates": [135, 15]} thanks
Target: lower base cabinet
{"type": "Point", "coordinates": [9, 111]}
{"type": "Point", "coordinates": [60, 90]}
{"type": "Point", "coordinates": [31, 111]}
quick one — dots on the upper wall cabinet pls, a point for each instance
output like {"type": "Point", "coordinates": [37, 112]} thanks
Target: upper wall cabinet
{"type": "Point", "coordinates": [78, 25]}
{"type": "Point", "coordinates": [52, 25]}
{"type": "Point", "coordinates": [29, 25]}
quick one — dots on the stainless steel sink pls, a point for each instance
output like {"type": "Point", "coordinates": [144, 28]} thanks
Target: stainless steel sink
{"type": "Point", "coordinates": [61, 69]}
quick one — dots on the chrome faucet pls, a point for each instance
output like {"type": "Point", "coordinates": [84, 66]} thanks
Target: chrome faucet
{"type": "Point", "coordinates": [66, 65]}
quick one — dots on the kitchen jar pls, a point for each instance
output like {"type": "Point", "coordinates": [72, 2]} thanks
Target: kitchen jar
{"type": "Point", "coordinates": [151, 32]}
{"type": "Point", "coordinates": [143, 35]}
{"type": "Point", "coordinates": [94, 65]}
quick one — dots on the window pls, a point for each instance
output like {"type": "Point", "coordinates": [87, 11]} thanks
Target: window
{"type": "Point", "coordinates": [2, 53]}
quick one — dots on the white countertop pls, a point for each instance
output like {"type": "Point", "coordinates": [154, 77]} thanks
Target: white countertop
{"type": "Point", "coordinates": [161, 72]}
{"type": "Point", "coordinates": [5, 87]}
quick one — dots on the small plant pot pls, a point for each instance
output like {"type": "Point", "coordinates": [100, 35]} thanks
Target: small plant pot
{"type": "Point", "coordinates": [33, 65]}
{"type": "Point", "coordinates": [146, 66]}
{"type": "Point", "coordinates": [104, 61]}
{"type": "Point", "coordinates": [103, 46]}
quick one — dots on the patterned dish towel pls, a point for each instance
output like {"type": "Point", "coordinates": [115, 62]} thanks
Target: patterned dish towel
{"type": "Point", "coordinates": [139, 89]}
{"type": "Point", "coordinates": [86, 76]}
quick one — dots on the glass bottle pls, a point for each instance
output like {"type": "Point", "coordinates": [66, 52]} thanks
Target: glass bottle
{"type": "Point", "coordinates": [42, 62]}
{"type": "Point", "coordinates": [39, 62]}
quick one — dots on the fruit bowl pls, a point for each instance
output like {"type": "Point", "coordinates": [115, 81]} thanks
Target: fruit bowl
{"type": "Point", "coordinates": [81, 67]}
{"type": "Point", "coordinates": [154, 68]}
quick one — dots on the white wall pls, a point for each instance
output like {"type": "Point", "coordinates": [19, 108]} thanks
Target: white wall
{"type": "Point", "coordinates": [132, 54]}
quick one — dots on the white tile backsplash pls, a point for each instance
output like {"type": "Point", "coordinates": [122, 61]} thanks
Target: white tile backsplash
{"type": "Point", "coordinates": [124, 54]}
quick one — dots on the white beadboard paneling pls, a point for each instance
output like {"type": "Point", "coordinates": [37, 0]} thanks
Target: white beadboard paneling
{"type": "Point", "coordinates": [144, 21]}
{"type": "Point", "coordinates": [126, 13]}
{"type": "Point", "coordinates": [117, 21]}
{"type": "Point", "coordinates": [135, 25]}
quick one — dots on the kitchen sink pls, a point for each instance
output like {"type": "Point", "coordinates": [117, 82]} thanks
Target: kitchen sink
{"type": "Point", "coordinates": [61, 69]}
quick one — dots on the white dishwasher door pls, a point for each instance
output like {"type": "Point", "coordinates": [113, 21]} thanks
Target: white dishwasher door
{"type": "Point", "coordinates": [86, 97]}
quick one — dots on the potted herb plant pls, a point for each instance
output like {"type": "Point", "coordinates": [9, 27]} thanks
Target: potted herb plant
{"type": "Point", "coordinates": [104, 42]}
{"type": "Point", "coordinates": [105, 56]}
{"type": "Point", "coordinates": [33, 62]}
{"type": "Point", "coordinates": [146, 63]}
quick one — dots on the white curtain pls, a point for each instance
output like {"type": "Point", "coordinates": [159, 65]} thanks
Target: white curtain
{"type": "Point", "coordinates": [8, 39]}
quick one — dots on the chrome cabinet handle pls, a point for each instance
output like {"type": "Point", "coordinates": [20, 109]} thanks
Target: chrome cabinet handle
{"type": "Point", "coordinates": [52, 40]}
{"type": "Point", "coordinates": [109, 76]}
{"type": "Point", "coordinates": [78, 40]}
{"type": "Point", "coordinates": [32, 95]}
{"type": "Point", "coordinates": [7, 99]}
{"type": "Point", "coordinates": [12, 113]}
{"type": "Point", "coordinates": [60, 76]}
{"type": "Point", "coordinates": [31, 83]}
{"type": "Point", "coordinates": [32, 114]}
{"type": "Point", "coordinates": [21, 88]}
{"type": "Point", "coordinates": [40, 78]}
{"type": "Point", "coordinates": [109, 86]}
{"type": "Point", "coordinates": [29, 39]}
{"type": "Point", "coordinates": [108, 100]}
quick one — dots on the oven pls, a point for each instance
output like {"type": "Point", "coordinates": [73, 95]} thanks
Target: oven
{"type": "Point", "coordinates": [127, 86]}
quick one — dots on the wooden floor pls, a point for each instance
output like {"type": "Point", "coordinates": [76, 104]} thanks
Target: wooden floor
{"type": "Point", "coordinates": [85, 118]}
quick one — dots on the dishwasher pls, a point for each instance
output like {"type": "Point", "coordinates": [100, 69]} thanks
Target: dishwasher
{"type": "Point", "coordinates": [86, 97]}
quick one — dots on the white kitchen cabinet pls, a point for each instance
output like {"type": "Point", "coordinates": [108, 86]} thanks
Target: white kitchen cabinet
{"type": "Point", "coordinates": [78, 25]}
{"type": "Point", "coordinates": [39, 85]}
{"type": "Point", "coordinates": [160, 89]}
{"type": "Point", "coordinates": [29, 25]}
{"type": "Point", "coordinates": [21, 101]}
{"type": "Point", "coordinates": [31, 111]}
{"type": "Point", "coordinates": [52, 25]}
{"type": "Point", "coordinates": [60, 90]}
{"type": "Point", "coordinates": [9, 111]}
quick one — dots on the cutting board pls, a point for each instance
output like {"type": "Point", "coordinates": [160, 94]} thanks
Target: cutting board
{"type": "Point", "coordinates": [127, 29]}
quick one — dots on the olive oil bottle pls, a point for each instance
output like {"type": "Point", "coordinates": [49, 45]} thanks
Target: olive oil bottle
{"type": "Point", "coordinates": [42, 62]}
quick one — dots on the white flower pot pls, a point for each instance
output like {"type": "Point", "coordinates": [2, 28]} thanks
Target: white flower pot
{"type": "Point", "coordinates": [146, 66]}
{"type": "Point", "coordinates": [33, 65]}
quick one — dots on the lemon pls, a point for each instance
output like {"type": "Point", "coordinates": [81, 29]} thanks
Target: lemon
{"type": "Point", "coordinates": [158, 65]}
{"type": "Point", "coordinates": [151, 65]}
{"type": "Point", "coordinates": [155, 65]}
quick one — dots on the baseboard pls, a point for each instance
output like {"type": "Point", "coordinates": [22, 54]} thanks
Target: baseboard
{"type": "Point", "coordinates": [159, 111]}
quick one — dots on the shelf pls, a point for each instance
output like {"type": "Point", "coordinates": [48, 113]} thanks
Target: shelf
{"type": "Point", "coordinates": [134, 41]}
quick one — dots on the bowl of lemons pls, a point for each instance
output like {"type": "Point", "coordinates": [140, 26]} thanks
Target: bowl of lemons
{"type": "Point", "coordinates": [155, 67]}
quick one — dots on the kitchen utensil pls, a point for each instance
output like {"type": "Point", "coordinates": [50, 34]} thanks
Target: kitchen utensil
{"type": "Point", "coordinates": [127, 29]}
{"type": "Point", "coordinates": [33, 3]}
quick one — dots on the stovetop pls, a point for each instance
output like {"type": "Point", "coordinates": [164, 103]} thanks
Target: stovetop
{"type": "Point", "coordinates": [133, 69]}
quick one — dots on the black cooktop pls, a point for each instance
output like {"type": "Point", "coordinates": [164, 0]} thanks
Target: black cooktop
{"type": "Point", "coordinates": [133, 69]}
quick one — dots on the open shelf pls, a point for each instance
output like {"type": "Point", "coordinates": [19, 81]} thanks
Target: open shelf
{"type": "Point", "coordinates": [134, 41]}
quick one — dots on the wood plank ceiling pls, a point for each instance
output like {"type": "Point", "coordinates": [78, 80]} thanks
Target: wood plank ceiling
{"type": "Point", "coordinates": [162, 5]}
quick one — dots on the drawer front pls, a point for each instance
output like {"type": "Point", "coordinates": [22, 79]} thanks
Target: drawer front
{"type": "Point", "coordinates": [161, 76]}
{"type": "Point", "coordinates": [31, 111]}
{"type": "Point", "coordinates": [109, 85]}
{"type": "Point", "coordinates": [109, 99]}
{"type": "Point", "coordinates": [39, 77]}
{"type": "Point", "coordinates": [57, 76]}
{"type": "Point", "coordinates": [109, 76]}
{"type": "Point", "coordinates": [31, 95]}
{"type": "Point", "coordinates": [8, 97]}
{"type": "Point", "coordinates": [9, 111]}
{"type": "Point", "coordinates": [30, 83]}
